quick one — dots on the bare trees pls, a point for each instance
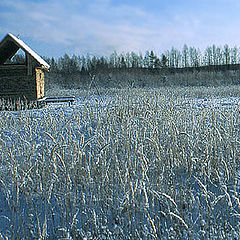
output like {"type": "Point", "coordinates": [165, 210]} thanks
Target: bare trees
{"type": "Point", "coordinates": [211, 56]}
{"type": "Point", "coordinates": [173, 58]}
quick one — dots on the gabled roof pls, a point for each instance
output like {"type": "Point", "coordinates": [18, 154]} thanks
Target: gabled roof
{"type": "Point", "coordinates": [9, 47]}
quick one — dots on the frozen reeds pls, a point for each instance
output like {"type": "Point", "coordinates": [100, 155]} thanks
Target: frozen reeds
{"type": "Point", "coordinates": [144, 166]}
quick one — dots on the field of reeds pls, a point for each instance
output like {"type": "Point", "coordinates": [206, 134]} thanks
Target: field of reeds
{"type": "Point", "coordinates": [123, 164]}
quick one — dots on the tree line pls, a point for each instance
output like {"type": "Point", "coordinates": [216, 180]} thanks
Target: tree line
{"type": "Point", "coordinates": [174, 58]}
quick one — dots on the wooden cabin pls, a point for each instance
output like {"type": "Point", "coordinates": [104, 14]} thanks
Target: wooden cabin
{"type": "Point", "coordinates": [24, 80]}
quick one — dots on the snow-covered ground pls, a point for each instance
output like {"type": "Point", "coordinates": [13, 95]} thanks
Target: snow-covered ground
{"type": "Point", "coordinates": [210, 210]}
{"type": "Point", "coordinates": [215, 102]}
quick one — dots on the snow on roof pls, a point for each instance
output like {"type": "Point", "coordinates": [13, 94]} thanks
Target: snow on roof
{"type": "Point", "coordinates": [27, 49]}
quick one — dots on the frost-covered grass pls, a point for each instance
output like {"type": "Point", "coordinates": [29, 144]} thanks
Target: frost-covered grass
{"type": "Point", "coordinates": [129, 164]}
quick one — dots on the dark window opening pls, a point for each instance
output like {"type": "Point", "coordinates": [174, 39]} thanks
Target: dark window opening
{"type": "Point", "coordinates": [19, 58]}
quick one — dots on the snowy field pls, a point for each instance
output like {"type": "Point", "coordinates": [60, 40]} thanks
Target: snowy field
{"type": "Point", "coordinates": [126, 164]}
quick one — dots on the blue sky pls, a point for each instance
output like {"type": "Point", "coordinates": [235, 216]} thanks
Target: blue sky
{"type": "Point", "coordinates": [98, 27]}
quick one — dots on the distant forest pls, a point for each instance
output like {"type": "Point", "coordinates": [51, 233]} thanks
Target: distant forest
{"type": "Point", "coordinates": [174, 58]}
{"type": "Point", "coordinates": [185, 67]}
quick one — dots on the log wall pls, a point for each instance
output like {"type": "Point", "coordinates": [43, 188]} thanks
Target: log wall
{"type": "Point", "coordinates": [16, 83]}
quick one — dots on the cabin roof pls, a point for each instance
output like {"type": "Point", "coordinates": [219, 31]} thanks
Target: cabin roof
{"type": "Point", "coordinates": [11, 44]}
